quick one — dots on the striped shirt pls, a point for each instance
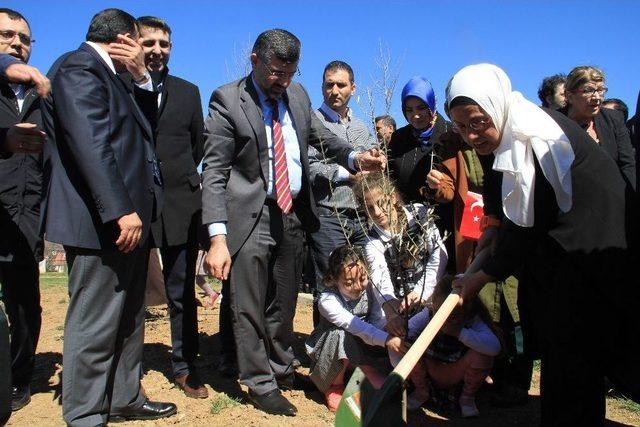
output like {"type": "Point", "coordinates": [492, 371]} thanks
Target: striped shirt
{"type": "Point", "coordinates": [330, 181]}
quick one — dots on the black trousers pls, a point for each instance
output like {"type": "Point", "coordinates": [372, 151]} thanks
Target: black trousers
{"type": "Point", "coordinates": [179, 271]}
{"type": "Point", "coordinates": [586, 308]}
{"type": "Point", "coordinates": [103, 334]}
{"type": "Point", "coordinates": [5, 371]}
{"type": "Point", "coordinates": [263, 285]}
{"type": "Point", "coordinates": [21, 296]}
{"type": "Point", "coordinates": [333, 232]}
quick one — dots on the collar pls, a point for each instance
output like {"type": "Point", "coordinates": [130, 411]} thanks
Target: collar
{"type": "Point", "coordinates": [104, 55]}
{"type": "Point", "coordinates": [18, 90]}
{"type": "Point", "coordinates": [261, 96]}
{"type": "Point", "coordinates": [332, 115]}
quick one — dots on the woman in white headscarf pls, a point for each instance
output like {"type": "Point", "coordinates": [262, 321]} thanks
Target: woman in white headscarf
{"type": "Point", "coordinates": [564, 230]}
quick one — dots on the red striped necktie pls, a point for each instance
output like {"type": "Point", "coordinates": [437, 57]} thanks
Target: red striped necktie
{"type": "Point", "coordinates": [281, 172]}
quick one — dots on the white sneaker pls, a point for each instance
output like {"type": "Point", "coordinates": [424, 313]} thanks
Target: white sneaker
{"type": "Point", "coordinates": [468, 407]}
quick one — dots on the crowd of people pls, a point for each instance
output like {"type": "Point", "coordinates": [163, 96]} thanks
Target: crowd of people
{"type": "Point", "coordinates": [102, 156]}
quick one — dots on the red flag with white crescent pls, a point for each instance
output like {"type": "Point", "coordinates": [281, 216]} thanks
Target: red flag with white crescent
{"type": "Point", "coordinates": [472, 216]}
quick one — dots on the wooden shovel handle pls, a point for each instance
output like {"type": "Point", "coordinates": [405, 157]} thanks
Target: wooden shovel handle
{"type": "Point", "coordinates": [418, 348]}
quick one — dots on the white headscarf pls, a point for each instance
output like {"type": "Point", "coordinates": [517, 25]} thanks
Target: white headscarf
{"type": "Point", "coordinates": [525, 130]}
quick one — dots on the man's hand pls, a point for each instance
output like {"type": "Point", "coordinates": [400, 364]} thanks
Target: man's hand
{"type": "Point", "coordinates": [434, 178]}
{"type": "Point", "coordinates": [469, 285]}
{"type": "Point", "coordinates": [355, 177]}
{"type": "Point", "coordinates": [26, 74]}
{"type": "Point", "coordinates": [395, 326]}
{"type": "Point", "coordinates": [412, 298]}
{"type": "Point", "coordinates": [396, 344]}
{"type": "Point", "coordinates": [218, 259]}
{"type": "Point", "coordinates": [130, 232]}
{"type": "Point", "coordinates": [129, 52]}
{"type": "Point", "coordinates": [25, 138]}
{"type": "Point", "coordinates": [371, 160]}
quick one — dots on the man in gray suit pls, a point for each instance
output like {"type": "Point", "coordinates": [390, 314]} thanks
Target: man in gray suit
{"type": "Point", "coordinates": [257, 202]}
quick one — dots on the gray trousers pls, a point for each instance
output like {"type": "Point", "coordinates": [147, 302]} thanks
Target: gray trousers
{"type": "Point", "coordinates": [5, 369]}
{"type": "Point", "coordinates": [264, 288]}
{"type": "Point", "coordinates": [104, 334]}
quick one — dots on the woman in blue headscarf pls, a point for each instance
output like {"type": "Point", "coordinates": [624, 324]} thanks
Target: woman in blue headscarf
{"type": "Point", "coordinates": [410, 148]}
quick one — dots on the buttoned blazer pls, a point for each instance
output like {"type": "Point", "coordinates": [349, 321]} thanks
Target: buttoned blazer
{"type": "Point", "coordinates": [236, 158]}
{"type": "Point", "coordinates": [179, 147]}
{"type": "Point", "coordinates": [99, 159]}
{"type": "Point", "coordinates": [20, 180]}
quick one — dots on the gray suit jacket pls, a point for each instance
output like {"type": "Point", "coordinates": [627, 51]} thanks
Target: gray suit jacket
{"type": "Point", "coordinates": [236, 158]}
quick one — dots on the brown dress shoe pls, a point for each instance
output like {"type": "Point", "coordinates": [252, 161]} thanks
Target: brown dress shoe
{"type": "Point", "coordinates": [192, 386]}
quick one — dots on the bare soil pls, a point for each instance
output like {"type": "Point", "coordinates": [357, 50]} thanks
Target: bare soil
{"type": "Point", "coordinates": [227, 404]}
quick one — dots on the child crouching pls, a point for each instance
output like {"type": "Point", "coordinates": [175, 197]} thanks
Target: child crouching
{"type": "Point", "coordinates": [343, 337]}
{"type": "Point", "coordinates": [464, 350]}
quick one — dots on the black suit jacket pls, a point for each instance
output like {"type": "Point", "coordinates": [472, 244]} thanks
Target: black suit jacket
{"type": "Point", "coordinates": [614, 138]}
{"type": "Point", "coordinates": [20, 181]}
{"type": "Point", "coordinates": [179, 147]}
{"type": "Point", "coordinates": [236, 162]}
{"type": "Point", "coordinates": [100, 159]}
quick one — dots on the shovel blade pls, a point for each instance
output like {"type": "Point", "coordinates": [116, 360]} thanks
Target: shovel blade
{"type": "Point", "coordinates": [363, 405]}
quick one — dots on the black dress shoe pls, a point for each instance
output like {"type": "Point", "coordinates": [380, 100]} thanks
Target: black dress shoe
{"type": "Point", "coordinates": [148, 411]}
{"type": "Point", "coordinates": [296, 381]}
{"type": "Point", "coordinates": [20, 397]}
{"type": "Point", "coordinates": [273, 402]}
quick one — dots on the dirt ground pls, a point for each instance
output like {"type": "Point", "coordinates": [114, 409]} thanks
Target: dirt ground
{"type": "Point", "coordinates": [227, 404]}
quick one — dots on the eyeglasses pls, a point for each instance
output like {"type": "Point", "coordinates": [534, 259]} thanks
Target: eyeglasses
{"type": "Point", "coordinates": [590, 91]}
{"type": "Point", "coordinates": [8, 35]}
{"type": "Point", "coordinates": [477, 125]}
{"type": "Point", "coordinates": [279, 74]}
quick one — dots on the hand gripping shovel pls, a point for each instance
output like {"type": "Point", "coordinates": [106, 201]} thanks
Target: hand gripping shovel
{"type": "Point", "coordinates": [362, 405]}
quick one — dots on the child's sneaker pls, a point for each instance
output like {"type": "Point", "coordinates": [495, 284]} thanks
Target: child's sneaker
{"type": "Point", "coordinates": [468, 406]}
{"type": "Point", "coordinates": [333, 396]}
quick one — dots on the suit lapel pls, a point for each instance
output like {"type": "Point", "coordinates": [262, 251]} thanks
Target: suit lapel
{"type": "Point", "coordinates": [7, 99]}
{"type": "Point", "coordinates": [30, 97]}
{"type": "Point", "coordinates": [126, 87]}
{"type": "Point", "coordinates": [165, 94]}
{"type": "Point", "coordinates": [296, 117]}
{"type": "Point", "coordinates": [251, 106]}
{"type": "Point", "coordinates": [606, 137]}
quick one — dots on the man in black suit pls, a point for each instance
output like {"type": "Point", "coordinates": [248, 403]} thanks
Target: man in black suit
{"type": "Point", "coordinates": [14, 139]}
{"type": "Point", "coordinates": [103, 188]}
{"type": "Point", "coordinates": [20, 196]}
{"type": "Point", "coordinates": [257, 201]}
{"type": "Point", "coordinates": [179, 146]}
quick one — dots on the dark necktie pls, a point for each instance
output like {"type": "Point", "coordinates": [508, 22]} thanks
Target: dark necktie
{"type": "Point", "coordinates": [281, 172]}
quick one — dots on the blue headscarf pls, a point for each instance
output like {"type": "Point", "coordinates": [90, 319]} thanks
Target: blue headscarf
{"type": "Point", "coordinates": [420, 88]}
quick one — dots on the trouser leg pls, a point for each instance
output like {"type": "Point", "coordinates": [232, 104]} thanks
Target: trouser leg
{"type": "Point", "coordinates": [5, 370]}
{"type": "Point", "coordinates": [282, 294]}
{"type": "Point", "coordinates": [179, 263]}
{"type": "Point", "coordinates": [104, 318]}
{"type": "Point", "coordinates": [21, 295]}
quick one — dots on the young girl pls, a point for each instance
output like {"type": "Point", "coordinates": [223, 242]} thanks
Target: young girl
{"type": "Point", "coordinates": [405, 252]}
{"type": "Point", "coordinates": [464, 350]}
{"type": "Point", "coordinates": [343, 336]}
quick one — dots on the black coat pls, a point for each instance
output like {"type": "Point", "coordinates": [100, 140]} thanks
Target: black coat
{"type": "Point", "coordinates": [20, 181]}
{"type": "Point", "coordinates": [614, 139]}
{"type": "Point", "coordinates": [409, 162]}
{"type": "Point", "coordinates": [179, 147]}
{"type": "Point", "coordinates": [99, 160]}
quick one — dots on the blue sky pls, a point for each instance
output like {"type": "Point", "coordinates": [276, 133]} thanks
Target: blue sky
{"type": "Point", "coordinates": [528, 39]}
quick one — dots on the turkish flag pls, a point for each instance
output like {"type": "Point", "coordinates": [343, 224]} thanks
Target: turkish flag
{"type": "Point", "coordinates": [471, 216]}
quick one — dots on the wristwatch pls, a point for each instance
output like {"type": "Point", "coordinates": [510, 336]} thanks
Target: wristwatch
{"type": "Point", "coordinates": [146, 76]}
{"type": "Point", "coordinates": [489, 221]}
